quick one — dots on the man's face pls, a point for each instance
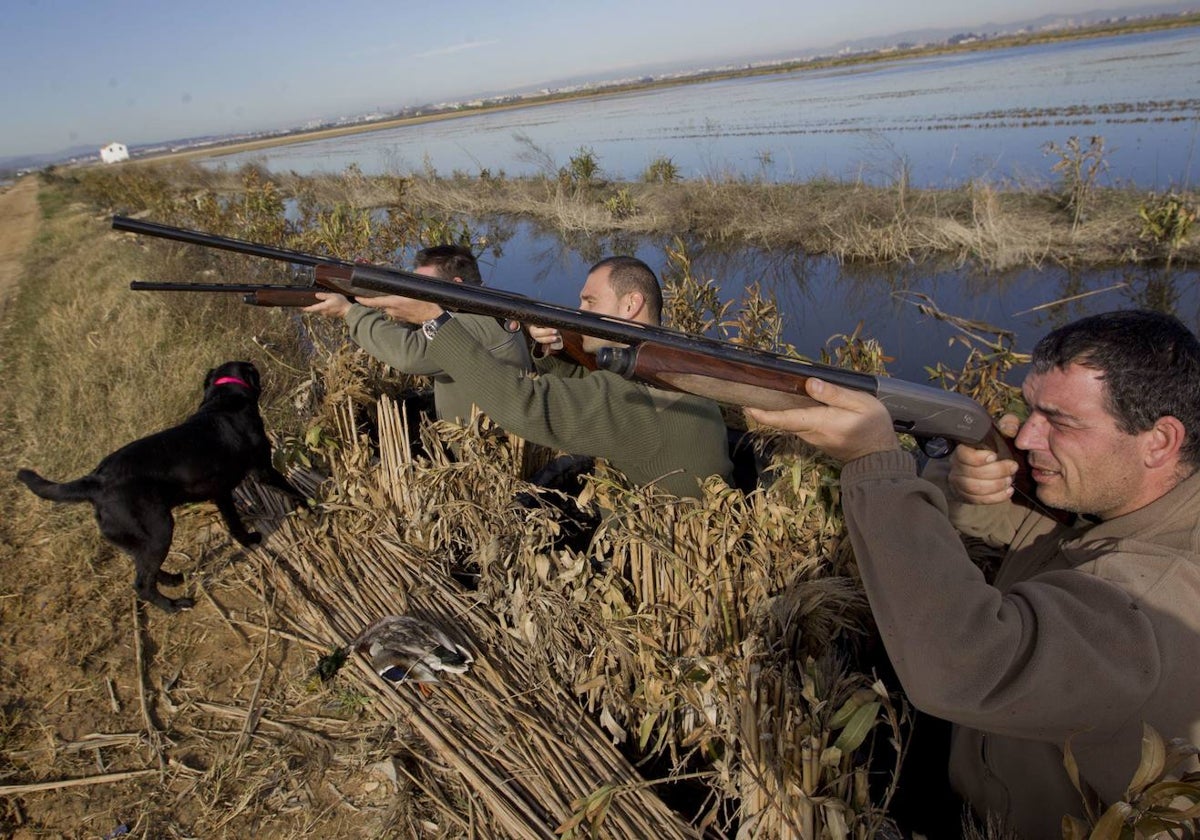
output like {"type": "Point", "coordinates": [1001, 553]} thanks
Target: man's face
{"type": "Point", "coordinates": [1080, 459]}
{"type": "Point", "coordinates": [599, 297]}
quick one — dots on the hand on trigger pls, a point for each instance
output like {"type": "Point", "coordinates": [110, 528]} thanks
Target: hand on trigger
{"type": "Point", "coordinates": [547, 339]}
{"type": "Point", "coordinates": [980, 476]}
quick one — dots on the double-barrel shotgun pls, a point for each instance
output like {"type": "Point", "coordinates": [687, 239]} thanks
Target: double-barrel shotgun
{"type": "Point", "coordinates": [720, 370]}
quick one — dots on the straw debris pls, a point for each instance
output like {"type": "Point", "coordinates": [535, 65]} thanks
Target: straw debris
{"type": "Point", "coordinates": [708, 642]}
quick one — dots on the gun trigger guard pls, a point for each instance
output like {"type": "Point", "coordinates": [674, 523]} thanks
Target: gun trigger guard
{"type": "Point", "coordinates": [936, 447]}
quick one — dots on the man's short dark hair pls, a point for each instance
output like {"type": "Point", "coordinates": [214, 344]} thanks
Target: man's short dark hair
{"type": "Point", "coordinates": [629, 274]}
{"type": "Point", "coordinates": [1150, 364]}
{"type": "Point", "coordinates": [451, 261]}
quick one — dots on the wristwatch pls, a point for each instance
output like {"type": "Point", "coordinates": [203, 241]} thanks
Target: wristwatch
{"type": "Point", "coordinates": [429, 328]}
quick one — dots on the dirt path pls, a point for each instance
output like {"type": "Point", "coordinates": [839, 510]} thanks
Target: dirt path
{"type": "Point", "coordinates": [18, 223]}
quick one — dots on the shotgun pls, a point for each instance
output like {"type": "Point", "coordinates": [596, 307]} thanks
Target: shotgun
{"type": "Point", "coordinates": [658, 356]}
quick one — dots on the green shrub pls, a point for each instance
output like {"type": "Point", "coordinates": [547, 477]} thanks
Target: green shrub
{"type": "Point", "coordinates": [1167, 221]}
{"type": "Point", "coordinates": [662, 170]}
{"type": "Point", "coordinates": [622, 205]}
{"type": "Point", "coordinates": [582, 170]}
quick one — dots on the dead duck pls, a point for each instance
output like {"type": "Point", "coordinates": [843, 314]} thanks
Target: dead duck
{"type": "Point", "coordinates": [402, 648]}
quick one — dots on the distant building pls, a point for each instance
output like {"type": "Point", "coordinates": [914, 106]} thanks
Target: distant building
{"type": "Point", "coordinates": [114, 153]}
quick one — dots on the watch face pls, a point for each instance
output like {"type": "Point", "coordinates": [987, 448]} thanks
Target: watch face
{"type": "Point", "coordinates": [430, 327]}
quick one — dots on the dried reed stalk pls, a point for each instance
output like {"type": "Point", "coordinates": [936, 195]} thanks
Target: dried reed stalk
{"type": "Point", "coordinates": [525, 750]}
{"type": "Point", "coordinates": [703, 630]}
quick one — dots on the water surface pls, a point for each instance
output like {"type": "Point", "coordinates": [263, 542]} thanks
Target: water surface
{"type": "Point", "coordinates": [943, 119]}
{"type": "Point", "coordinates": [821, 298]}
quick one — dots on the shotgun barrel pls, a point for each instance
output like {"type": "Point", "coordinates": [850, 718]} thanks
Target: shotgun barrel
{"type": "Point", "coordinates": [225, 243]}
{"type": "Point", "coordinates": [157, 286]}
{"type": "Point", "coordinates": [255, 294]}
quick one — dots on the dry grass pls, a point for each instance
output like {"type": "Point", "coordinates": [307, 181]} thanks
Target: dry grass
{"type": "Point", "coordinates": [997, 227]}
{"type": "Point", "coordinates": [852, 221]}
{"type": "Point", "coordinates": [683, 648]}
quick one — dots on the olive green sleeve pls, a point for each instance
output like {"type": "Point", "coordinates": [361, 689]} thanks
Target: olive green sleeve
{"type": "Point", "coordinates": [601, 414]}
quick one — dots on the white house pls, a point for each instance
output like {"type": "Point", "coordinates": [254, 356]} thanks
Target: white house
{"type": "Point", "coordinates": [114, 153]}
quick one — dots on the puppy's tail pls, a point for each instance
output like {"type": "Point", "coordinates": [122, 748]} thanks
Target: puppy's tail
{"type": "Point", "coordinates": [79, 490]}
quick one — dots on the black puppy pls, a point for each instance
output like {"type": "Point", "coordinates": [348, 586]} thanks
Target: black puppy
{"type": "Point", "coordinates": [204, 458]}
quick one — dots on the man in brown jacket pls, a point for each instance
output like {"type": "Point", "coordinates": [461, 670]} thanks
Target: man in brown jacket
{"type": "Point", "coordinates": [1091, 629]}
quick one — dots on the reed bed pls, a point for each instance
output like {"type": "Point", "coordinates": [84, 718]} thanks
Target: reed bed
{"type": "Point", "coordinates": [997, 226]}
{"type": "Point", "coordinates": [707, 640]}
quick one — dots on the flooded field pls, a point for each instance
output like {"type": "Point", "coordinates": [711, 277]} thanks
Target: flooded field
{"type": "Point", "coordinates": [941, 120]}
{"type": "Point", "coordinates": [821, 298]}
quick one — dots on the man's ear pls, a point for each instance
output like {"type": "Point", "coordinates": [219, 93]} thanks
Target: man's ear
{"type": "Point", "coordinates": [1164, 442]}
{"type": "Point", "coordinates": [634, 301]}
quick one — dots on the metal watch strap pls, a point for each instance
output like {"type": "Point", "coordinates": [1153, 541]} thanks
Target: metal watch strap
{"type": "Point", "coordinates": [429, 328]}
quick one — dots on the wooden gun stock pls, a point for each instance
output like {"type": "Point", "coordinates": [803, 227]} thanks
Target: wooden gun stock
{"type": "Point", "coordinates": [280, 297]}
{"type": "Point", "coordinates": [724, 380]}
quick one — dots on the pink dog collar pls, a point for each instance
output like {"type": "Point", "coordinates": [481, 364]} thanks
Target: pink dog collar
{"type": "Point", "coordinates": [232, 380]}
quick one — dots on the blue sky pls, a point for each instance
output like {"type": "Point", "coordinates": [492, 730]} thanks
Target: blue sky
{"type": "Point", "coordinates": [135, 71]}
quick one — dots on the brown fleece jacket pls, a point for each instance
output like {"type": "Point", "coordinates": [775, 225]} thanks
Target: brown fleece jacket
{"type": "Point", "coordinates": [1088, 633]}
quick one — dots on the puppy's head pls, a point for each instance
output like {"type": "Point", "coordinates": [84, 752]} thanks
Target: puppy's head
{"type": "Point", "coordinates": [238, 375]}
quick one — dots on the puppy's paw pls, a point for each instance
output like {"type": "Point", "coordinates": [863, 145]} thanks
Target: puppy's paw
{"type": "Point", "coordinates": [249, 539]}
{"type": "Point", "coordinates": [167, 605]}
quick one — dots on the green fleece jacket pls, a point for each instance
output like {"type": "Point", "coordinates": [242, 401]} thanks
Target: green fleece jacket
{"type": "Point", "coordinates": [1087, 633]}
{"type": "Point", "coordinates": [405, 348]}
{"type": "Point", "coordinates": [652, 436]}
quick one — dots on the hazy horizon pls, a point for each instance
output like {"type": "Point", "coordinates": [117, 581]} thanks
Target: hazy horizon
{"type": "Point", "coordinates": [139, 72]}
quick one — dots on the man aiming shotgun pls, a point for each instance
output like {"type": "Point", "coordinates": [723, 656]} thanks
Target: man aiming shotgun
{"type": "Point", "coordinates": [670, 439]}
